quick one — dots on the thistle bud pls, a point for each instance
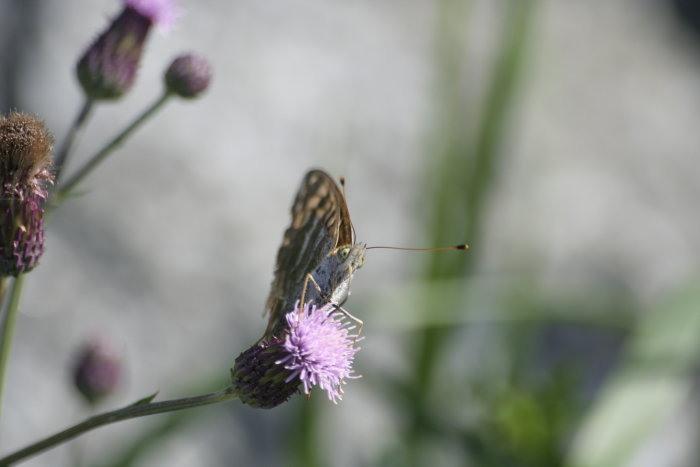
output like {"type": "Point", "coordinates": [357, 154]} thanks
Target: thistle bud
{"type": "Point", "coordinates": [108, 67]}
{"type": "Point", "coordinates": [317, 349]}
{"type": "Point", "coordinates": [188, 76]}
{"type": "Point", "coordinates": [98, 369]}
{"type": "Point", "coordinates": [24, 174]}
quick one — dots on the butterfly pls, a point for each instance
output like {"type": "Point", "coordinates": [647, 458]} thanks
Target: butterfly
{"type": "Point", "coordinates": [318, 256]}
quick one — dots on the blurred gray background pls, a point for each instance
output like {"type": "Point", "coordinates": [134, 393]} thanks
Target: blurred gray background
{"type": "Point", "coordinates": [170, 248]}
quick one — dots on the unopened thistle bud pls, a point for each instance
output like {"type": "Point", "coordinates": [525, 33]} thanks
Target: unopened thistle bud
{"type": "Point", "coordinates": [98, 369]}
{"type": "Point", "coordinates": [108, 67]}
{"type": "Point", "coordinates": [188, 76]}
{"type": "Point", "coordinates": [25, 164]}
{"type": "Point", "coordinates": [318, 348]}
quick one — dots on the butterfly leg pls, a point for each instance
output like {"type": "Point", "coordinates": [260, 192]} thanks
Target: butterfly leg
{"type": "Point", "coordinates": [336, 307]}
{"type": "Point", "coordinates": [310, 278]}
{"type": "Point", "coordinates": [302, 298]}
{"type": "Point", "coordinates": [351, 316]}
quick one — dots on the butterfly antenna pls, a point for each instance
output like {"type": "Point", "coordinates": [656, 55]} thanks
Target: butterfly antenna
{"type": "Point", "coordinates": [342, 184]}
{"type": "Point", "coordinates": [463, 246]}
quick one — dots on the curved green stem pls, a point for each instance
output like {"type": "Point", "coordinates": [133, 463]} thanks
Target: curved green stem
{"type": "Point", "coordinates": [8, 328]}
{"type": "Point", "coordinates": [63, 153]}
{"type": "Point", "coordinates": [67, 187]}
{"type": "Point", "coordinates": [125, 413]}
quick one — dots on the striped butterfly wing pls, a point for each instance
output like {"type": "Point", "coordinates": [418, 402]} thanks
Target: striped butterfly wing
{"type": "Point", "coordinates": [320, 224]}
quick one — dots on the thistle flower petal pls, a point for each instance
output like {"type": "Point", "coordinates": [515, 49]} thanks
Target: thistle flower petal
{"type": "Point", "coordinates": [161, 13]}
{"type": "Point", "coordinates": [320, 349]}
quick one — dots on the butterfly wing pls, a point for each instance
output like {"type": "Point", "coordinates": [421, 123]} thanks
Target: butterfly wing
{"type": "Point", "coordinates": [320, 223]}
{"type": "Point", "coordinates": [346, 235]}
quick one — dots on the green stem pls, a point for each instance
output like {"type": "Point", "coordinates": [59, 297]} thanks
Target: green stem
{"type": "Point", "coordinates": [125, 413]}
{"type": "Point", "coordinates": [75, 129]}
{"type": "Point", "coordinates": [8, 328]}
{"type": "Point", "coordinates": [467, 169]}
{"type": "Point", "coordinates": [3, 289]}
{"type": "Point", "coordinates": [304, 448]}
{"type": "Point", "coordinates": [67, 187]}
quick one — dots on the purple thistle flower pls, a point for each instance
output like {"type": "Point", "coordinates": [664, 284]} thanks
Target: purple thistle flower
{"type": "Point", "coordinates": [161, 13]}
{"type": "Point", "coordinates": [107, 69]}
{"type": "Point", "coordinates": [318, 348]}
{"type": "Point", "coordinates": [24, 174]}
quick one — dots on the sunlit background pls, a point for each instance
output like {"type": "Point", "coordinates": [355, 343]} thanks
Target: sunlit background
{"type": "Point", "coordinates": [558, 138]}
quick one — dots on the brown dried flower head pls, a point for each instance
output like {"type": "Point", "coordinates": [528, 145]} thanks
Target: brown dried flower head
{"type": "Point", "coordinates": [25, 148]}
{"type": "Point", "coordinates": [25, 164]}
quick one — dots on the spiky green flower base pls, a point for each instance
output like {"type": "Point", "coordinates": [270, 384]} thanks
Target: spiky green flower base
{"type": "Point", "coordinates": [259, 380]}
{"type": "Point", "coordinates": [21, 235]}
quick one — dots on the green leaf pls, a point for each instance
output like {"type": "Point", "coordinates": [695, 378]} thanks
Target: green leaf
{"type": "Point", "coordinates": [654, 379]}
{"type": "Point", "coordinates": [145, 400]}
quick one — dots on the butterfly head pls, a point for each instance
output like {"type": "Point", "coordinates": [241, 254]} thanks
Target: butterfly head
{"type": "Point", "coordinates": [346, 259]}
{"type": "Point", "coordinates": [350, 257]}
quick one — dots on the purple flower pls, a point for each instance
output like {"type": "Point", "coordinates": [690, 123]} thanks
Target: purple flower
{"type": "Point", "coordinates": [25, 172]}
{"type": "Point", "coordinates": [320, 349]}
{"type": "Point", "coordinates": [161, 13]}
{"type": "Point", "coordinates": [108, 67]}
{"type": "Point", "coordinates": [317, 348]}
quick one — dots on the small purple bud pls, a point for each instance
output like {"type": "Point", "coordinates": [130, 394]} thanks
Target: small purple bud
{"type": "Point", "coordinates": [318, 348]}
{"type": "Point", "coordinates": [25, 163]}
{"type": "Point", "coordinates": [98, 369]}
{"type": "Point", "coordinates": [188, 76]}
{"type": "Point", "coordinates": [107, 69]}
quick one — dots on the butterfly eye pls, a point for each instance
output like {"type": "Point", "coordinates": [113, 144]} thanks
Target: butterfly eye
{"type": "Point", "coordinates": [344, 252]}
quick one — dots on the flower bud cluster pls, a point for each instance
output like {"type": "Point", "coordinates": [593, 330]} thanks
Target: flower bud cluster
{"type": "Point", "coordinates": [107, 70]}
